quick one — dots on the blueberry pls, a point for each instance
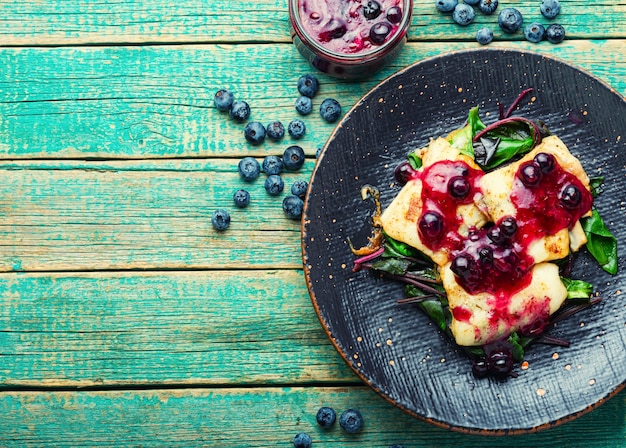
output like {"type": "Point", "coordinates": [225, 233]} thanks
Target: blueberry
{"type": "Point", "coordinates": [299, 188]}
{"type": "Point", "coordinates": [463, 14]}
{"type": "Point", "coordinates": [274, 185]}
{"type": "Point", "coordinates": [326, 417]}
{"type": "Point", "coordinates": [220, 219]}
{"type": "Point", "coordinates": [296, 128]}
{"type": "Point", "coordinates": [471, 2]}
{"type": "Point", "coordinates": [272, 165]}
{"type": "Point", "coordinates": [555, 33]}
{"type": "Point", "coordinates": [275, 130]}
{"type": "Point", "coordinates": [293, 157]}
{"type": "Point", "coordinates": [254, 132]}
{"type": "Point", "coordinates": [372, 9]}
{"type": "Point", "coordinates": [318, 151]}
{"type": "Point", "coordinates": [302, 440]}
{"type": "Point", "coordinates": [223, 100]}
{"type": "Point", "coordinates": [510, 20]}
{"type": "Point", "coordinates": [330, 110]}
{"type": "Point", "coordinates": [379, 32]}
{"type": "Point", "coordinates": [484, 36]}
{"type": "Point", "coordinates": [304, 105]}
{"type": "Point", "coordinates": [293, 206]}
{"type": "Point", "coordinates": [249, 168]}
{"type": "Point", "coordinates": [241, 198]}
{"type": "Point", "coordinates": [550, 8]}
{"type": "Point", "coordinates": [534, 32]}
{"type": "Point", "coordinates": [394, 14]}
{"type": "Point", "coordinates": [351, 421]}
{"type": "Point", "coordinates": [488, 6]}
{"type": "Point", "coordinates": [446, 5]}
{"type": "Point", "coordinates": [240, 111]}
{"type": "Point", "coordinates": [308, 85]}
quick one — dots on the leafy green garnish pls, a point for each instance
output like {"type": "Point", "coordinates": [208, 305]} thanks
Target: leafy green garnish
{"type": "Point", "coordinates": [601, 243]}
{"type": "Point", "coordinates": [577, 289]}
{"type": "Point", "coordinates": [462, 139]}
{"type": "Point", "coordinates": [414, 160]}
{"type": "Point", "coordinates": [395, 248]}
{"type": "Point", "coordinates": [595, 184]}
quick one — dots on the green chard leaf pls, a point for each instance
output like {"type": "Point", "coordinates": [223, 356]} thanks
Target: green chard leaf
{"type": "Point", "coordinates": [394, 266]}
{"type": "Point", "coordinates": [595, 183]}
{"type": "Point", "coordinates": [433, 308]}
{"type": "Point", "coordinates": [517, 346]}
{"type": "Point", "coordinates": [462, 139]}
{"type": "Point", "coordinates": [414, 160]}
{"type": "Point", "coordinates": [395, 248]}
{"type": "Point", "coordinates": [504, 140]}
{"type": "Point", "coordinates": [601, 243]}
{"type": "Point", "coordinates": [577, 289]}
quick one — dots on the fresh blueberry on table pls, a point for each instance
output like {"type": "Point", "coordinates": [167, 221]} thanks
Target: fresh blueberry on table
{"type": "Point", "coordinates": [471, 2]}
{"type": "Point", "coordinates": [272, 165]}
{"type": "Point", "coordinates": [488, 6]}
{"type": "Point", "coordinates": [330, 110]}
{"type": "Point", "coordinates": [446, 5]}
{"type": "Point", "coordinates": [239, 111]}
{"type": "Point", "coordinates": [550, 8]}
{"type": "Point", "coordinates": [293, 157]}
{"type": "Point", "coordinates": [326, 417]}
{"type": "Point", "coordinates": [275, 130]}
{"type": "Point", "coordinates": [484, 35]}
{"type": "Point", "coordinates": [296, 128]}
{"type": "Point", "coordinates": [351, 421]}
{"type": "Point", "coordinates": [274, 185]}
{"type": "Point", "coordinates": [293, 206]}
{"type": "Point", "coordinates": [249, 168]}
{"type": "Point", "coordinates": [308, 85]}
{"type": "Point", "coordinates": [302, 440]}
{"type": "Point", "coordinates": [299, 187]}
{"type": "Point", "coordinates": [254, 132]}
{"type": "Point", "coordinates": [220, 219]}
{"type": "Point", "coordinates": [510, 20]}
{"type": "Point", "coordinates": [241, 198]}
{"type": "Point", "coordinates": [223, 100]}
{"type": "Point", "coordinates": [372, 9]}
{"type": "Point", "coordinates": [555, 33]}
{"type": "Point", "coordinates": [534, 32]}
{"type": "Point", "coordinates": [304, 105]}
{"type": "Point", "coordinates": [463, 14]}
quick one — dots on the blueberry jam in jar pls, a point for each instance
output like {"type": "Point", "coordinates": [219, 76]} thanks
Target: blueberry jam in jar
{"type": "Point", "coordinates": [349, 39]}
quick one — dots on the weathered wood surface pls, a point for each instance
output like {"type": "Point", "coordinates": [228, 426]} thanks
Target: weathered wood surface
{"type": "Point", "coordinates": [258, 417]}
{"type": "Point", "coordinates": [157, 102]}
{"type": "Point", "coordinates": [125, 319]}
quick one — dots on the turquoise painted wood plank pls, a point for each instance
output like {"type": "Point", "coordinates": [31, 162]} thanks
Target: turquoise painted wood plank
{"type": "Point", "coordinates": [163, 328]}
{"type": "Point", "coordinates": [98, 218]}
{"type": "Point", "coordinates": [149, 102]}
{"type": "Point", "coordinates": [83, 22]}
{"type": "Point", "coordinates": [259, 417]}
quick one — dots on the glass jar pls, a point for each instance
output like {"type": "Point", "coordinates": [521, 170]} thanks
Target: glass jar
{"type": "Point", "coordinates": [349, 39]}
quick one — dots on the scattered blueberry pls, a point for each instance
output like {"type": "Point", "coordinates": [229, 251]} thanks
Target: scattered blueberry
{"type": "Point", "coordinates": [275, 130]}
{"type": "Point", "coordinates": [379, 32]}
{"type": "Point", "coordinates": [239, 111]}
{"type": "Point", "coordinates": [446, 5]}
{"type": "Point", "coordinates": [293, 206]}
{"type": "Point", "coordinates": [534, 32]}
{"type": "Point", "coordinates": [372, 9]}
{"type": "Point", "coordinates": [308, 85]}
{"type": "Point", "coordinates": [223, 100]}
{"type": "Point", "coordinates": [293, 157]}
{"type": "Point", "coordinates": [299, 188]}
{"type": "Point", "coordinates": [220, 219]}
{"type": "Point", "coordinates": [351, 421]}
{"type": "Point", "coordinates": [304, 105]}
{"type": "Point", "coordinates": [241, 198]}
{"type": "Point", "coordinates": [488, 6]}
{"type": "Point", "coordinates": [471, 2]}
{"type": "Point", "coordinates": [272, 165]}
{"type": "Point", "coordinates": [463, 14]}
{"type": "Point", "coordinates": [274, 185]}
{"type": "Point", "coordinates": [484, 36]}
{"type": "Point", "coordinates": [394, 14]}
{"type": "Point", "coordinates": [249, 168]}
{"type": "Point", "coordinates": [550, 8]}
{"type": "Point", "coordinates": [326, 417]}
{"type": "Point", "coordinates": [330, 110]}
{"type": "Point", "coordinates": [302, 440]}
{"type": "Point", "coordinates": [254, 132]}
{"type": "Point", "coordinates": [296, 128]}
{"type": "Point", "coordinates": [510, 20]}
{"type": "Point", "coordinates": [555, 33]}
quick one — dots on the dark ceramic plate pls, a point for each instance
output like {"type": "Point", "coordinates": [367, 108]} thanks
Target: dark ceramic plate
{"type": "Point", "coordinates": [394, 348]}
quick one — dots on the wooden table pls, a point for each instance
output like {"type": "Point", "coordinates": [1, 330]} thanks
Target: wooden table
{"type": "Point", "coordinates": [125, 319]}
